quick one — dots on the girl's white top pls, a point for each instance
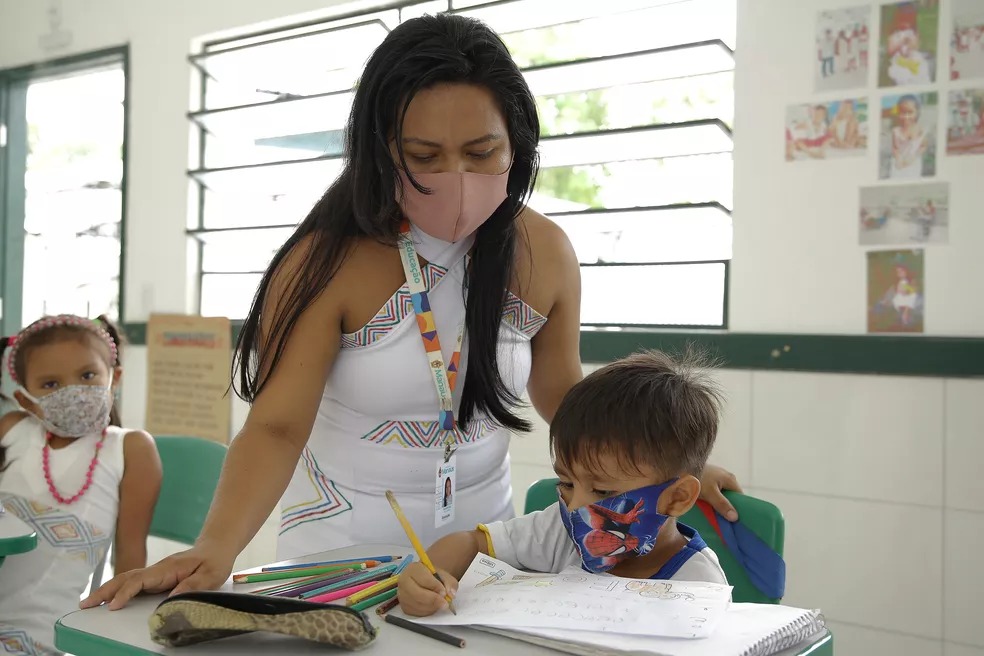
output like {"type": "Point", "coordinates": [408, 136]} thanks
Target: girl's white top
{"type": "Point", "coordinates": [39, 587]}
{"type": "Point", "coordinates": [376, 428]}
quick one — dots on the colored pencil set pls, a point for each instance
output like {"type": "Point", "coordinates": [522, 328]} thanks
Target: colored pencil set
{"type": "Point", "coordinates": [360, 583]}
{"type": "Point", "coordinates": [357, 583]}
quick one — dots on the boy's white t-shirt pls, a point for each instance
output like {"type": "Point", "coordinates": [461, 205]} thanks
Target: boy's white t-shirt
{"type": "Point", "coordinates": [40, 586]}
{"type": "Point", "coordinates": [539, 542]}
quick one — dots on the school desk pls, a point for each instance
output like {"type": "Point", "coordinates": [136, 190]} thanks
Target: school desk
{"type": "Point", "coordinates": [100, 632]}
{"type": "Point", "coordinates": [15, 536]}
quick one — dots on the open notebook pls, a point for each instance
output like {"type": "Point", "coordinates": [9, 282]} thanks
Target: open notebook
{"type": "Point", "coordinates": [745, 630]}
{"type": "Point", "coordinates": [581, 613]}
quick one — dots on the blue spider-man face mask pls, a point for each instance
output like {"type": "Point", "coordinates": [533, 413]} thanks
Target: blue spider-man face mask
{"type": "Point", "coordinates": [616, 528]}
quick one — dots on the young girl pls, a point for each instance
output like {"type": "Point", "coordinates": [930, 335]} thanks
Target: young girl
{"type": "Point", "coordinates": [909, 140]}
{"type": "Point", "coordinates": [68, 470]}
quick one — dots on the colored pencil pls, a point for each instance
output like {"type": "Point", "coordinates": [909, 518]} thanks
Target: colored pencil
{"type": "Point", "coordinates": [308, 583]}
{"type": "Point", "coordinates": [372, 591]}
{"type": "Point", "coordinates": [374, 601]}
{"type": "Point", "coordinates": [325, 563]}
{"type": "Point", "coordinates": [338, 594]}
{"type": "Point", "coordinates": [424, 630]}
{"type": "Point", "coordinates": [388, 606]}
{"type": "Point", "coordinates": [364, 577]}
{"type": "Point", "coordinates": [292, 574]}
{"type": "Point", "coordinates": [416, 544]}
{"type": "Point", "coordinates": [403, 564]}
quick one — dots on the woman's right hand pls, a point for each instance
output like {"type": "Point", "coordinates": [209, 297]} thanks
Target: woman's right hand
{"type": "Point", "coordinates": [198, 568]}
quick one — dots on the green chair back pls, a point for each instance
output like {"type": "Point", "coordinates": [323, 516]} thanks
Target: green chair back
{"type": "Point", "coordinates": [763, 518]}
{"type": "Point", "coordinates": [191, 474]}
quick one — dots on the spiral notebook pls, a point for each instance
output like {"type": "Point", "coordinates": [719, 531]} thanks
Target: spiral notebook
{"type": "Point", "coordinates": [745, 630]}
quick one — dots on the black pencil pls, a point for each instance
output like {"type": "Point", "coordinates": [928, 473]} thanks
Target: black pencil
{"type": "Point", "coordinates": [424, 630]}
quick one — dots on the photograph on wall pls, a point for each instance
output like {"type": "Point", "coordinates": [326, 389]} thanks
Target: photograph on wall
{"type": "Point", "coordinates": [827, 130]}
{"type": "Point", "coordinates": [967, 39]}
{"type": "Point", "coordinates": [895, 215]}
{"type": "Point", "coordinates": [907, 137]}
{"type": "Point", "coordinates": [842, 38]}
{"type": "Point", "coordinates": [965, 123]}
{"type": "Point", "coordinates": [907, 44]}
{"type": "Point", "coordinates": [896, 297]}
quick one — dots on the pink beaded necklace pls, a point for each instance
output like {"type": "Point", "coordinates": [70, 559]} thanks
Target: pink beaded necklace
{"type": "Point", "coordinates": [46, 465]}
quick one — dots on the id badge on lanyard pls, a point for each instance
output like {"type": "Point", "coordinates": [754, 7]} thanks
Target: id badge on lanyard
{"type": "Point", "coordinates": [445, 376]}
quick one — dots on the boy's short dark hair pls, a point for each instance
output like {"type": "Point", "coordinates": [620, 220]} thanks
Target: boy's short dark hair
{"type": "Point", "coordinates": [647, 409]}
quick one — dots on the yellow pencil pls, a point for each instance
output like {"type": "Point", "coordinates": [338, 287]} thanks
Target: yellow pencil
{"type": "Point", "coordinates": [415, 543]}
{"type": "Point", "coordinates": [372, 590]}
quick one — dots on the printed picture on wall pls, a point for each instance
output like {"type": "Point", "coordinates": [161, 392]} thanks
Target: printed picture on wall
{"type": "Point", "coordinates": [965, 123]}
{"type": "Point", "coordinates": [907, 45]}
{"type": "Point", "coordinates": [896, 296]}
{"type": "Point", "coordinates": [841, 51]}
{"type": "Point", "coordinates": [908, 136]}
{"type": "Point", "coordinates": [827, 130]}
{"type": "Point", "coordinates": [967, 39]}
{"type": "Point", "coordinates": [894, 215]}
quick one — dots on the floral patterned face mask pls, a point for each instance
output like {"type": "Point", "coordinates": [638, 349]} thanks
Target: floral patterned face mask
{"type": "Point", "coordinates": [76, 410]}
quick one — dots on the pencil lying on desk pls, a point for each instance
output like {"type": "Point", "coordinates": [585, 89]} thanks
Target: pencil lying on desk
{"type": "Point", "coordinates": [415, 543]}
{"type": "Point", "coordinates": [425, 630]}
{"type": "Point", "coordinates": [375, 560]}
{"type": "Point", "coordinates": [260, 577]}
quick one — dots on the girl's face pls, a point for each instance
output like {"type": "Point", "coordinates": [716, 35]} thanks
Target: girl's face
{"type": "Point", "coordinates": [901, 273]}
{"type": "Point", "coordinates": [447, 487]}
{"type": "Point", "coordinates": [908, 113]}
{"type": "Point", "coordinates": [74, 360]}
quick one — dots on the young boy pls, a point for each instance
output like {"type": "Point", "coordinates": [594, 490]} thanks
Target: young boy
{"type": "Point", "coordinates": [628, 443]}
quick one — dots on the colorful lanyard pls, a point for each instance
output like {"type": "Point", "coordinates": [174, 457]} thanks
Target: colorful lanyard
{"type": "Point", "coordinates": [444, 375]}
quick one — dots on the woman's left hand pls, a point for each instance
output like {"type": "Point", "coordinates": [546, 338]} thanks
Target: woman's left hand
{"type": "Point", "coordinates": [712, 482]}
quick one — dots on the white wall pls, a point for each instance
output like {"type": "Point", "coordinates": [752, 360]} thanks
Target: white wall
{"type": "Point", "coordinates": [797, 266]}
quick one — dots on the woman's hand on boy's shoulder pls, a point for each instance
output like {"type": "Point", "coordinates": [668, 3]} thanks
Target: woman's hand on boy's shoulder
{"type": "Point", "coordinates": [421, 594]}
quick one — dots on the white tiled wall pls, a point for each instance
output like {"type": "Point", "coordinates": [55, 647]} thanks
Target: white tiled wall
{"type": "Point", "coordinates": [879, 480]}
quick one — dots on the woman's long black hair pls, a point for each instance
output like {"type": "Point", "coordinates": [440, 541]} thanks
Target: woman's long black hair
{"type": "Point", "coordinates": [420, 53]}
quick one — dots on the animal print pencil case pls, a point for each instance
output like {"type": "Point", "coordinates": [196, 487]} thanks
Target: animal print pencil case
{"type": "Point", "coordinates": [194, 617]}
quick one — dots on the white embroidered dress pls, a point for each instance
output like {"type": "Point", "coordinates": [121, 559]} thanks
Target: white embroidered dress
{"type": "Point", "coordinates": [377, 430]}
{"type": "Point", "coordinates": [39, 587]}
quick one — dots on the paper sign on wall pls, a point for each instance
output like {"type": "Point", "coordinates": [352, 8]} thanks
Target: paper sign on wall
{"type": "Point", "coordinates": [188, 363]}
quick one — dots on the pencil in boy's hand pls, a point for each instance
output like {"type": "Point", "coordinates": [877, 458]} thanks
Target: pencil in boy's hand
{"type": "Point", "coordinates": [424, 630]}
{"type": "Point", "coordinates": [415, 543]}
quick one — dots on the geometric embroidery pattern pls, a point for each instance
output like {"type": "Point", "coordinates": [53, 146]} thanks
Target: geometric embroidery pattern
{"type": "Point", "coordinates": [18, 643]}
{"type": "Point", "coordinates": [426, 434]}
{"type": "Point", "coordinates": [515, 312]}
{"type": "Point", "coordinates": [64, 531]}
{"type": "Point", "coordinates": [327, 501]}
{"type": "Point", "coordinates": [396, 309]}
{"type": "Point", "coordinates": [521, 316]}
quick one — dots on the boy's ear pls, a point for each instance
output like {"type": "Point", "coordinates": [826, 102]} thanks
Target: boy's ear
{"type": "Point", "coordinates": [681, 496]}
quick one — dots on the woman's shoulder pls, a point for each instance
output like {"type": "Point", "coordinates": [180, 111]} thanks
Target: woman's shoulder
{"type": "Point", "coordinates": [545, 261]}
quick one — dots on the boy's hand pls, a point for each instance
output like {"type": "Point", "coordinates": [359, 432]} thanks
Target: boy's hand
{"type": "Point", "coordinates": [421, 594]}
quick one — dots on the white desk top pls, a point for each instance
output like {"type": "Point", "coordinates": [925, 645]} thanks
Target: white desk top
{"type": "Point", "coordinates": [15, 536]}
{"type": "Point", "coordinates": [125, 632]}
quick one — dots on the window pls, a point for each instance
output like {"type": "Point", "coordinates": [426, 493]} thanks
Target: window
{"type": "Point", "coordinates": [636, 102]}
{"type": "Point", "coordinates": [63, 182]}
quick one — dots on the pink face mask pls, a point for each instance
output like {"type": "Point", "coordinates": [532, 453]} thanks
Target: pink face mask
{"type": "Point", "coordinates": [458, 203]}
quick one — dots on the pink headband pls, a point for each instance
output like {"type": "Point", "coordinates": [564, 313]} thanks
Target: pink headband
{"type": "Point", "coordinates": [60, 320]}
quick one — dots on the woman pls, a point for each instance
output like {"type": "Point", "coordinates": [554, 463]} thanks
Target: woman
{"type": "Point", "coordinates": [346, 402]}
